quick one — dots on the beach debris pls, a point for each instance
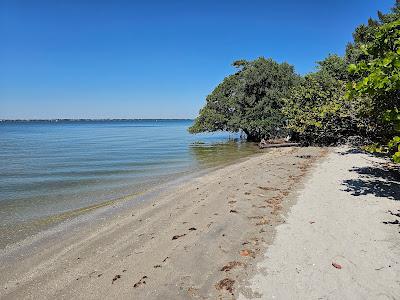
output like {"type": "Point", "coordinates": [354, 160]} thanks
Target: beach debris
{"type": "Point", "coordinates": [140, 282]}
{"type": "Point", "coordinates": [192, 228]}
{"type": "Point", "coordinates": [389, 266]}
{"type": "Point", "coordinates": [116, 277]}
{"type": "Point", "coordinates": [232, 201]}
{"type": "Point", "coordinates": [246, 252]}
{"type": "Point", "coordinates": [265, 188]}
{"type": "Point", "coordinates": [192, 291]}
{"type": "Point", "coordinates": [233, 211]}
{"type": "Point", "coordinates": [304, 156]}
{"type": "Point", "coordinates": [225, 284]}
{"type": "Point", "coordinates": [255, 217]}
{"type": "Point", "coordinates": [175, 237]}
{"type": "Point", "coordinates": [336, 265]}
{"type": "Point", "coordinates": [229, 266]}
{"type": "Point", "coordinates": [165, 259]}
{"type": "Point", "coordinates": [262, 222]}
{"type": "Point", "coordinates": [222, 249]}
{"type": "Point", "coordinates": [157, 266]}
{"type": "Point", "coordinates": [99, 275]}
{"type": "Point", "coordinates": [311, 222]}
{"type": "Point", "coordinates": [247, 193]}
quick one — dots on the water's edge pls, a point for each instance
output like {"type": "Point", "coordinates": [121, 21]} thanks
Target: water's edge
{"type": "Point", "coordinates": [64, 224]}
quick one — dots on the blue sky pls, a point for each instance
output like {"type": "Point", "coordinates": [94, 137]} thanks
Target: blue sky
{"type": "Point", "coordinates": [154, 59]}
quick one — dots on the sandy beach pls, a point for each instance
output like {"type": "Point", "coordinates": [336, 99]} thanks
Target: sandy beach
{"type": "Point", "coordinates": [267, 227]}
{"type": "Point", "coordinates": [341, 240]}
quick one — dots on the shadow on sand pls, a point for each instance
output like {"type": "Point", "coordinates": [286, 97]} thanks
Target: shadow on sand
{"type": "Point", "coordinates": [381, 180]}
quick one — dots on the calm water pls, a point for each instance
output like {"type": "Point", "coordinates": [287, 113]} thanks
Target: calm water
{"type": "Point", "coordinates": [49, 171]}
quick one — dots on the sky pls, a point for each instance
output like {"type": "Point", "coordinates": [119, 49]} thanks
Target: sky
{"type": "Point", "coordinates": [154, 59]}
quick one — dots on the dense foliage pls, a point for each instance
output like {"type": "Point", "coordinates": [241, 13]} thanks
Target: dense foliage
{"type": "Point", "coordinates": [365, 33]}
{"type": "Point", "coordinates": [351, 98]}
{"type": "Point", "coordinates": [379, 78]}
{"type": "Point", "coordinates": [250, 100]}
{"type": "Point", "coordinates": [317, 111]}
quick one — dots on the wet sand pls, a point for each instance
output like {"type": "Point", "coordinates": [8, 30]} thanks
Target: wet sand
{"type": "Point", "coordinates": [199, 240]}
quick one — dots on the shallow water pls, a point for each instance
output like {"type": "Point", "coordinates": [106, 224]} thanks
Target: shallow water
{"type": "Point", "coordinates": [49, 171]}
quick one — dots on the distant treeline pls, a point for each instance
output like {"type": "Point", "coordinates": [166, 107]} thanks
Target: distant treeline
{"type": "Point", "coordinates": [354, 98]}
{"type": "Point", "coordinates": [88, 120]}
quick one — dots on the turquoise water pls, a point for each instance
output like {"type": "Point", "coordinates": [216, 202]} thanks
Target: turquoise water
{"type": "Point", "coordinates": [52, 169]}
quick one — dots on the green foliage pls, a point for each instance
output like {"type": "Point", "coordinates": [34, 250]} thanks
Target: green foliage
{"type": "Point", "coordinates": [365, 33]}
{"type": "Point", "coordinates": [317, 111]}
{"type": "Point", "coordinates": [379, 78]}
{"type": "Point", "coordinates": [354, 95]}
{"type": "Point", "coordinates": [380, 74]}
{"type": "Point", "coordinates": [249, 100]}
{"type": "Point", "coordinates": [334, 65]}
{"type": "Point", "coordinates": [374, 148]}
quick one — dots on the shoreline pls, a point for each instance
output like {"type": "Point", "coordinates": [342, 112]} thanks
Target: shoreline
{"type": "Point", "coordinates": [109, 206]}
{"type": "Point", "coordinates": [220, 220]}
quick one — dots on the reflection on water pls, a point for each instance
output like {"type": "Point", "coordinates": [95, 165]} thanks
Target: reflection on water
{"type": "Point", "coordinates": [215, 154]}
{"type": "Point", "coordinates": [53, 171]}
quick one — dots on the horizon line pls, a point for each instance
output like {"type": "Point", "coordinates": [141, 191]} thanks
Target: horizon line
{"type": "Point", "coordinates": [95, 119]}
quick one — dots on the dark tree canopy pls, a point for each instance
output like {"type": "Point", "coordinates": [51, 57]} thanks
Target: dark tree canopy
{"type": "Point", "coordinates": [354, 98]}
{"type": "Point", "coordinates": [249, 100]}
{"type": "Point", "coordinates": [316, 109]}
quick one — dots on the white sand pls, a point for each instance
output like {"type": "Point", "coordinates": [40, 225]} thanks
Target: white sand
{"type": "Point", "coordinates": [348, 230]}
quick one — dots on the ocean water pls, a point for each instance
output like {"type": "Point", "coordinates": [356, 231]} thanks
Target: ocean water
{"type": "Point", "coordinates": [50, 171]}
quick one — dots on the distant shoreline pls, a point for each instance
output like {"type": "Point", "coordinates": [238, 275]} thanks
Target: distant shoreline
{"type": "Point", "coordinates": [87, 120]}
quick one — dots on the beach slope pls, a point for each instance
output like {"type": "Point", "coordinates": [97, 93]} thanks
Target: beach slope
{"type": "Point", "coordinates": [201, 239]}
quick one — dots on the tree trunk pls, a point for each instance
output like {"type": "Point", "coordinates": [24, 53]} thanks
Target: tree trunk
{"type": "Point", "coordinates": [249, 137]}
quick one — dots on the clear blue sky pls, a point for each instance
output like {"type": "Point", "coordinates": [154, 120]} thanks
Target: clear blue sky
{"type": "Point", "coordinates": [154, 59]}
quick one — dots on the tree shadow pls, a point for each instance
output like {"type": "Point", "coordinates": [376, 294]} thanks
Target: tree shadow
{"type": "Point", "coordinates": [381, 180]}
{"type": "Point", "coordinates": [351, 151]}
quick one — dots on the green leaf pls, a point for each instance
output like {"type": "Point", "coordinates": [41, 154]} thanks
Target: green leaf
{"type": "Point", "coordinates": [396, 157]}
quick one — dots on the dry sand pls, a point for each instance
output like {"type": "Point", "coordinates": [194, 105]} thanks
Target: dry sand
{"type": "Point", "coordinates": [348, 214]}
{"type": "Point", "coordinates": [213, 237]}
{"type": "Point", "coordinates": [198, 240]}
